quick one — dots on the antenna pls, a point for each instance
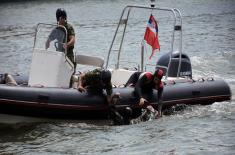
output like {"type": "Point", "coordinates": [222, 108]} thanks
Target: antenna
{"type": "Point", "coordinates": [152, 4]}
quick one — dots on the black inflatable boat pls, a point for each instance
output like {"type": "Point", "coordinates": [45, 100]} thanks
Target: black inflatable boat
{"type": "Point", "coordinates": [54, 98]}
{"type": "Point", "coordinates": [70, 103]}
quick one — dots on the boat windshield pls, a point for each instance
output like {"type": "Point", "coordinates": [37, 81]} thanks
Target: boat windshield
{"type": "Point", "coordinates": [50, 37]}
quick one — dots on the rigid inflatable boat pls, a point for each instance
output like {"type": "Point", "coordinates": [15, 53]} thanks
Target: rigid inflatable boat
{"type": "Point", "coordinates": [46, 92]}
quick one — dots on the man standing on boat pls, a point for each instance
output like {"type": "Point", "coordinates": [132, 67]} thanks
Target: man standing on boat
{"type": "Point", "coordinates": [61, 17]}
{"type": "Point", "coordinates": [144, 83]}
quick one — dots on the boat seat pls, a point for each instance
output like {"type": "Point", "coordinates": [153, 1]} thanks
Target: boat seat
{"type": "Point", "coordinates": [120, 76]}
{"type": "Point", "coordinates": [90, 60]}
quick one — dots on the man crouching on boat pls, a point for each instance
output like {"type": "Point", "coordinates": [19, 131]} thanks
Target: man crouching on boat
{"type": "Point", "coordinates": [144, 83]}
{"type": "Point", "coordinates": [96, 81]}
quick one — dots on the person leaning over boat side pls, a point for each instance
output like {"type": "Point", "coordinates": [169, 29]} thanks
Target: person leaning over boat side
{"type": "Point", "coordinates": [144, 83]}
{"type": "Point", "coordinates": [61, 17]}
{"type": "Point", "coordinates": [96, 80]}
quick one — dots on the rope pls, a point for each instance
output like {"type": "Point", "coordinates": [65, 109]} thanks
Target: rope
{"type": "Point", "coordinates": [17, 35]}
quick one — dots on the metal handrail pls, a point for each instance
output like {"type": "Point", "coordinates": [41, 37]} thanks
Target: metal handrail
{"type": "Point", "coordinates": [115, 34]}
{"type": "Point", "coordinates": [174, 11]}
{"type": "Point", "coordinates": [35, 37]}
{"type": "Point", "coordinates": [66, 33]}
{"type": "Point", "coordinates": [180, 44]}
{"type": "Point", "coordinates": [120, 47]}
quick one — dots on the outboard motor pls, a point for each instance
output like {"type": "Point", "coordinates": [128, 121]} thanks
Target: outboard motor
{"type": "Point", "coordinates": [185, 69]}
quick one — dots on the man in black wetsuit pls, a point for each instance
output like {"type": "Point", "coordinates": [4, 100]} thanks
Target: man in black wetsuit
{"type": "Point", "coordinates": [144, 83]}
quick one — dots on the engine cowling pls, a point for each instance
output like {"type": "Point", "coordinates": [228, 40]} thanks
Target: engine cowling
{"type": "Point", "coordinates": [185, 69]}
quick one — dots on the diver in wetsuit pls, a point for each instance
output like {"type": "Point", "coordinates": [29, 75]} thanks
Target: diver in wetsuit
{"type": "Point", "coordinates": [144, 83]}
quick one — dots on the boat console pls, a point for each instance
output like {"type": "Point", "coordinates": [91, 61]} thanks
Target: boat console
{"type": "Point", "coordinates": [50, 66]}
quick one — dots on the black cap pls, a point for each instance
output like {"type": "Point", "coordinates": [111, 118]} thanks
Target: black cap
{"type": "Point", "coordinates": [61, 13]}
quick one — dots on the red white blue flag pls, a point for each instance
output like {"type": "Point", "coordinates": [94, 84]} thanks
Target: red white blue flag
{"type": "Point", "coordinates": [151, 35]}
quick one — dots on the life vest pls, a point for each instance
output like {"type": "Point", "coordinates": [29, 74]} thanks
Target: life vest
{"type": "Point", "coordinates": [150, 77]}
{"type": "Point", "coordinates": [147, 74]}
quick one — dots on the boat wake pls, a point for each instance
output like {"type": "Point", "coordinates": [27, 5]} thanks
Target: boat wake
{"type": "Point", "coordinates": [218, 109]}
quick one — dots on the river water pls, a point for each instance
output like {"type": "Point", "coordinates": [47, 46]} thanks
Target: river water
{"type": "Point", "coordinates": [208, 39]}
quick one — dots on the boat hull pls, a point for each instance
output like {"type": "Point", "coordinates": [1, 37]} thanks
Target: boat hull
{"type": "Point", "coordinates": [63, 103]}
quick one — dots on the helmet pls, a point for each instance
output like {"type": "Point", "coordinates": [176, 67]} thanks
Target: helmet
{"type": "Point", "coordinates": [158, 73]}
{"type": "Point", "coordinates": [61, 13]}
{"type": "Point", "coordinates": [105, 76]}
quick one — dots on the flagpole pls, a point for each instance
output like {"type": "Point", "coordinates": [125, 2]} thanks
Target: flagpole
{"type": "Point", "coordinates": [142, 56]}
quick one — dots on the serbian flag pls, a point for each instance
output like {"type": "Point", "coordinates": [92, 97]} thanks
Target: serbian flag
{"type": "Point", "coordinates": [151, 35]}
